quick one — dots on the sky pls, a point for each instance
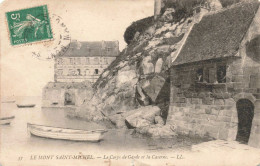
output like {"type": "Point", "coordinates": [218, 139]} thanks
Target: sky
{"type": "Point", "coordinates": [87, 20]}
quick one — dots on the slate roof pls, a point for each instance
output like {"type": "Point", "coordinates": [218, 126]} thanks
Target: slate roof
{"type": "Point", "coordinates": [218, 35]}
{"type": "Point", "coordinates": [92, 49]}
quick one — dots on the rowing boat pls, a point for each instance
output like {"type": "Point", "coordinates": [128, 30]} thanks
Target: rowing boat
{"type": "Point", "coordinates": [25, 105]}
{"type": "Point", "coordinates": [65, 133]}
{"type": "Point", "coordinates": [6, 120]}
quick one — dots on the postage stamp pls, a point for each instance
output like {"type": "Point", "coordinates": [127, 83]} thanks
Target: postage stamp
{"type": "Point", "coordinates": [29, 25]}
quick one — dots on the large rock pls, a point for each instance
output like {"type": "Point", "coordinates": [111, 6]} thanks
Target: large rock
{"type": "Point", "coordinates": [137, 122]}
{"type": "Point", "coordinates": [154, 88]}
{"type": "Point", "coordinates": [155, 131]}
{"type": "Point", "coordinates": [158, 65]}
{"type": "Point", "coordinates": [118, 120]}
{"type": "Point", "coordinates": [147, 66]}
{"type": "Point", "coordinates": [124, 77]}
{"type": "Point", "coordinates": [87, 111]}
{"type": "Point", "coordinates": [158, 120]}
{"type": "Point", "coordinates": [140, 96]}
{"type": "Point", "coordinates": [143, 116]}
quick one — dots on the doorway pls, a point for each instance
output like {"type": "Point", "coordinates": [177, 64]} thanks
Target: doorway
{"type": "Point", "coordinates": [245, 113]}
{"type": "Point", "coordinates": [69, 99]}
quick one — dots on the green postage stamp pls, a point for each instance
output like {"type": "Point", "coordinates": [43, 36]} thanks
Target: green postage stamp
{"type": "Point", "coordinates": [29, 25]}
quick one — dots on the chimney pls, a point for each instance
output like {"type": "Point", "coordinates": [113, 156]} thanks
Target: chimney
{"type": "Point", "coordinates": [157, 8]}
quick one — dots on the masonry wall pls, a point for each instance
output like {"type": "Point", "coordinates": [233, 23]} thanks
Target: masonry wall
{"type": "Point", "coordinates": [55, 96]}
{"type": "Point", "coordinates": [78, 69]}
{"type": "Point", "coordinates": [209, 109]}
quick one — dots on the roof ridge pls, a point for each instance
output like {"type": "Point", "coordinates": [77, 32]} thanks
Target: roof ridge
{"type": "Point", "coordinates": [239, 4]}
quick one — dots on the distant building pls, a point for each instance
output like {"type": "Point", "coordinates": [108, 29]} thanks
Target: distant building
{"type": "Point", "coordinates": [85, 61]}
{"type": "Point", "coordinates": [75, 70]}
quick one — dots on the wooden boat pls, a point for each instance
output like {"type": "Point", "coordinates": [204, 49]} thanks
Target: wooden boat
{"type": "Point", "coordinates": [65, 133]}
{"type": "Point", "coordinates": [6, 120]}
{"type": "Point", "coordinates": [25, 105]}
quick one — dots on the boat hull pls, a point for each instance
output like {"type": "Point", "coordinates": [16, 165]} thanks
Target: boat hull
{"type": "Point", "coordinates": [65, 134]}
{"type": "Point", "coordinates": [26, 106]}
{"type": "Point", "coordinates": [6, 120]}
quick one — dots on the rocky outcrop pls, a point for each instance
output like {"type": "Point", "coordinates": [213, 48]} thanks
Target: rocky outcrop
{"type": "Point", "coordinates": [143, 116]}
{"type": "Point", "coordinates": [140, 117]}
{"type": "Point", "coordinates": [139, 76]}
{"type": "Point", "coordinates": [156, 131]}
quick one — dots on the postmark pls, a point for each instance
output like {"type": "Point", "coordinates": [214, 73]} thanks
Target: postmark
{"type": "Point", "coordinates": [60, 43]}
{"type": "Point", "coordinates": [29, 25]}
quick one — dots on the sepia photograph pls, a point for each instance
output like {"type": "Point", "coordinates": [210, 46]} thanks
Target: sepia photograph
{"type": "Point", "coordinates": [130, 83]}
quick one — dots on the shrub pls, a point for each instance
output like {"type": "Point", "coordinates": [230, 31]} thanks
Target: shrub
{"type": "Point", "coordinates": [137, 26]}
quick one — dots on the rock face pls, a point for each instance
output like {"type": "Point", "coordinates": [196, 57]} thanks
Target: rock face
{"type": "Point", "coordinates": [140, 75]}
{"type": "Point", "coordinates": [155, 131]}
{"type": "Point", "coordinates": [143, 116]}
{"type": "Point", "coordinates": [153, 86]}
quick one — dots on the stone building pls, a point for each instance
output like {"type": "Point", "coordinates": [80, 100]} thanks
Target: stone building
{"type": "Point", "coordinates": [76, 70]}
{"type": "Point", "coordinates": [85, 61]}
{"type": "Point", "coordinates": [66, 94]}
{"type": "Point", "coordinates": [215, 78]}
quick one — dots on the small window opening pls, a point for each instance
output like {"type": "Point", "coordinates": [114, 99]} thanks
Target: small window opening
{"type": "Point", "coordinates": [199, 76]}
{"type": "Point", "coordinates": [96, 71]}
{"type": "Point", "coordinates": [221, 74]}
{"type": "Point", "coordinates": [79, 72]}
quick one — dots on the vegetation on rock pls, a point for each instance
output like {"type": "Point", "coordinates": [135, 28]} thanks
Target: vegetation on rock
{"type": "Point", "coordinates": [137, 26]}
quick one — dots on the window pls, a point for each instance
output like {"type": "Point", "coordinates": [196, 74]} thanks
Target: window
{"type": "Point", "coordinates": [199, 76]}
{"type": "Point", "coordinates": [212, 75]}
{"type": "Point", "coordinates": [78, 72]}
{"type": "Point", "coordinates": [221, 74]}
{"type": "Point", "coordinates": [108, 49]}
{"type": "Point", "coordinates": [96, 71]}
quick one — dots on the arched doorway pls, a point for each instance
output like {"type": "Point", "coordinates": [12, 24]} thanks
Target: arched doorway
{"type": "Point", "coordinates": [245, 113]}
{"type": "Point", "coordinates": [69, 98]}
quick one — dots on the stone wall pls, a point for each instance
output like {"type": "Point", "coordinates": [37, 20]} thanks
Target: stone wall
{"type": "Point", "coordinates": [78, 69]}
{"type": "Point", "coordinates": [54, 94]}
{"type": "Point", "coordinates": [207, 108]}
